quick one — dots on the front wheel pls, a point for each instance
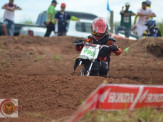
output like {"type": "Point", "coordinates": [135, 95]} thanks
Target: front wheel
{"type": "Point", "coordinates": [79, 71]}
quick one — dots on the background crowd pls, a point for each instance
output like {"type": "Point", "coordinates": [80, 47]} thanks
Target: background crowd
{"type": "Point", "coordinates": [61, 19]}
{"type": "Point", "coordinates": [143, 22]}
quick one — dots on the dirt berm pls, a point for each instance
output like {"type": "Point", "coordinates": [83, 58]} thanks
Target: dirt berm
{"type": "Point", "coordinates": [37, 72]}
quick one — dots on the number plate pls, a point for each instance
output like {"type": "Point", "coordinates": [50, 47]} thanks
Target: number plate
{"type": "Point", "coordinates": [89, 52]}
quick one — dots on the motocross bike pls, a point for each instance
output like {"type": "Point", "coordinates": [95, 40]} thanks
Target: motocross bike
{"type": "Point", "coordinates": [86, 59]}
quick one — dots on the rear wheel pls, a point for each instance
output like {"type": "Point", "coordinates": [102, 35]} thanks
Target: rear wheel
{"type": "Point", "coordinates": [80, 71]}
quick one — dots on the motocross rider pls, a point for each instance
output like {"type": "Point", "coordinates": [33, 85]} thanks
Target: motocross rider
{"type": "Point", "coordinates": [100, 35]}
{"type": "Point", "coordinates": [152, 30]}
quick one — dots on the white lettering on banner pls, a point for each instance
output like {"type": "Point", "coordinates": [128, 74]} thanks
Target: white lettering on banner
{"type": "Point", "coordinates": [121, 97]}
{"type": "Point", "coordinates": [142, 97]}
{"type": "Point", "coordinates": [104, 96]}
{"type": "Point", "coordinates": [137, 97]}
{"type": "Point", "coordinates": [154, 98]}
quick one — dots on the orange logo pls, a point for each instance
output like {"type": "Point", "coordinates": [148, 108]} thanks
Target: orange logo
{"type": "Point", "coordinates": [8, 108]}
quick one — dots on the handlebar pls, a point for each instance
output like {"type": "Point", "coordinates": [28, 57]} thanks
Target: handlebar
{"type": "Point", "coordinates": [78, 43]}
{"type": "Point", "coordinates": [111, 48]}
{"type": "Point", "coordinates": [90, 44]}
{"type": "Point", "coordinates": [94, 45]}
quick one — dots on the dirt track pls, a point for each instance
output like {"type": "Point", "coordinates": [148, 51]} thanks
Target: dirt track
{"type": "Point", "coordinates": [37, 72]}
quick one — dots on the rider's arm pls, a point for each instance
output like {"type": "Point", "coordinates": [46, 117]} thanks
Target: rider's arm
{"type": "Point", "coordinates": [118, 51]}
{"type": "Point", "coordinates": [80, 46]}
{"type": "Point", "coordinates": [113, 47]}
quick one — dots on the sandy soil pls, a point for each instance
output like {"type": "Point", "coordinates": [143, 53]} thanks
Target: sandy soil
{"type": "Point", "coordinates": [37, 72]}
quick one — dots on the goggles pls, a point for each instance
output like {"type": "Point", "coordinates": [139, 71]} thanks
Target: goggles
{"type": "Point", "coordinates": [98, 34]}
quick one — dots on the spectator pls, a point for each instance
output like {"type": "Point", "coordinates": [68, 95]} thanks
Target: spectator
{"type": "Point", "coordinates": [125, 24]}
{"type": "Point", "coordinates": [148, 3]}
{"type": "Point", "coordinates": [144, 13]}
{"type": "Point", "coordinates": [8, 19]}
{"type": "Point", "coordinates": [62, 19]}
{"type": "Point", "coordinates": [50, 22]}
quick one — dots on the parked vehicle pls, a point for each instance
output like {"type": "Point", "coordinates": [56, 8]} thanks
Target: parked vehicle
{"type": "Point", "coordinates": [17, 28]}
{"type": "Point", "coordinates": [80, 28]}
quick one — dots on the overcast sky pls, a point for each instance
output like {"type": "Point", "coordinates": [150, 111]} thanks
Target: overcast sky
{"type": "Point", "coordinates": [31, 8]}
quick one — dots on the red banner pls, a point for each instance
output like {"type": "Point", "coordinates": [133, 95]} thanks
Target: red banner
{"type": "Point", "coordinates": [118, 97]}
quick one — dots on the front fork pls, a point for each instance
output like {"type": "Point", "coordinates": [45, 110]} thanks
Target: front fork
{"type": "Point", "coordinates": [89, 69]}
{"type": "Point", "coordinates": [79, 62]}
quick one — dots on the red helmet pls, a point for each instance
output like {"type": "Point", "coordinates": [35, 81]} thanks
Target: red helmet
{"type": "Point", "coordinates": [63, 5]}
{"type": "Point", "coordinates": [99, 28]}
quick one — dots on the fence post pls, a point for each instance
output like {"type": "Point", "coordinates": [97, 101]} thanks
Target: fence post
{"type": "Point", "coordinates": [111, 21]}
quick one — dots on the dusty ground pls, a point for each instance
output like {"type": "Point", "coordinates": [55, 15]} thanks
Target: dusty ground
{"type": "Point", "coordinates": [37, 72]}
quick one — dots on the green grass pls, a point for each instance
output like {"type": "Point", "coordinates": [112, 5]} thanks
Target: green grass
{"type": "Point", "coordinates": [2, 63]}
{"type": "Point", "coordinates": [140, 115]}
{"type": "Point", "coordinates": [57, 57]}
{"type": "Point", "coordinates": [160, 27]}
{"type": "Point", "coordinates": [2, 46]}
{"type": "Point", "coordinates": [37, 58]}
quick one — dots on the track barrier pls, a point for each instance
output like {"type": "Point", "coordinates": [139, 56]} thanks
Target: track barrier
{"type": "Point", "coordinates": [113, 97]}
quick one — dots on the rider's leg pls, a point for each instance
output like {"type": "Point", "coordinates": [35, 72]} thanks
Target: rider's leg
{"type": "Point", "coordinates": [76, 63]}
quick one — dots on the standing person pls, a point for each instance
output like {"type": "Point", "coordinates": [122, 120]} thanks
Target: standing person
{"type": "Point", "coordinates": [144, 13]}
{"type": "Point", "coordinates": [62, 18]}
{"type": "Point", "coordinates": [50, 22]}
{"type": "Point", "coordinates": [125, 24]}
{"type": "Point", "coordinates": [8, 18]}
{"type": "Point", "coordinates": [148, 3]}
